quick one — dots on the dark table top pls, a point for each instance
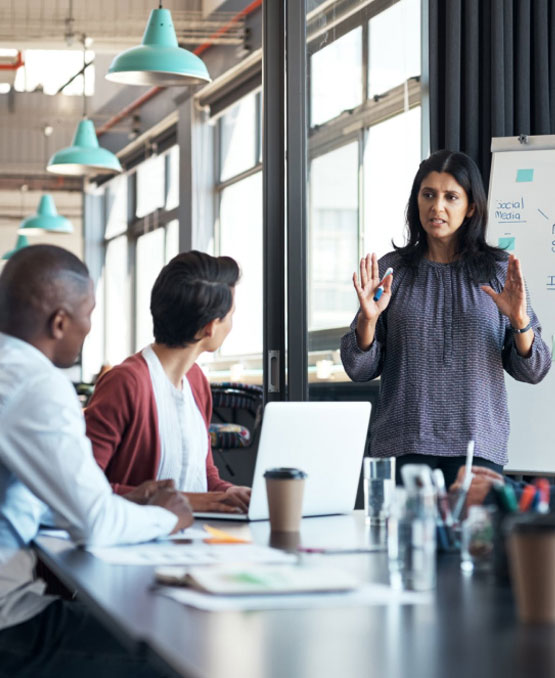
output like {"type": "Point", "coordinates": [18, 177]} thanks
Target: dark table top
{"type": "Point", "coordinates": [469, 629]}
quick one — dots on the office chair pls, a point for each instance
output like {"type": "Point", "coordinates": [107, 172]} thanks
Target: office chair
{"type": "Point", "coordinates": [236, 417]}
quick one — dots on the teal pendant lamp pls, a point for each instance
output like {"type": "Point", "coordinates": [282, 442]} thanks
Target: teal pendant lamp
{"type": "Point", "coordinates": [19, 245]}
{"type": "Point", "coordinates": [84, 156]}
{"type": "Point", "coordinates": [46, 220]}
{"type": "Point", "coordinates": [158, 61]}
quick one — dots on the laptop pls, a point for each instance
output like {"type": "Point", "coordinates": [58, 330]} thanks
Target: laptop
{"type": "Point", "coordinates": [324, 439]}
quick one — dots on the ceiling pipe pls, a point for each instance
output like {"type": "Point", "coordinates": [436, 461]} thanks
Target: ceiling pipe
{"type": "Point", "coordinates": [16, 64]}
{"type": "Point", "coordinates": [154, 91]}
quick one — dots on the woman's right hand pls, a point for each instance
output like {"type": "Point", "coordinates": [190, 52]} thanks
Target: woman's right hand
{"type": "Point", "coordinates": [369, 309]}
{"type": "Point", "coordinates": [212, 502]}
{"type": "Point", "coordinates": [367, 286]}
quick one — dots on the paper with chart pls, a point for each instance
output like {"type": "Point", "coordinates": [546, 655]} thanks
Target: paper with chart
{"type": "Point", "coordinates": [522, 220]}
{"type": "Point", "coordinates": [196, 553]}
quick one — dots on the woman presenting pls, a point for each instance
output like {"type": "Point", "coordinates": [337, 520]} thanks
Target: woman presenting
{"type": "Point", "coordinates": [452, 316]}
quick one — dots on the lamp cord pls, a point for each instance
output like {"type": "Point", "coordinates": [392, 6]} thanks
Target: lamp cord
{"type": "Point", "coordinates": [84, 70]}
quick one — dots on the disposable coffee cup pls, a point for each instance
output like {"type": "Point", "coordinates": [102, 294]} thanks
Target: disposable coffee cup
{"type": "Point", "coordinates": [284, 489]}
{"type": "Point", "coordinates": [532, 564]}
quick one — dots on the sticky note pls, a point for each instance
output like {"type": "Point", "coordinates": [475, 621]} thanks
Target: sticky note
{"type": "Point", "coordinates": [507, 244]}
{"type": "Point", "coordinates": [525, 175]}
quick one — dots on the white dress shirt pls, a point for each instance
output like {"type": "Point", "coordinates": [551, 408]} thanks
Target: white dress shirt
{"type": "Point", "coordinates": [48, 472]}
{"type": "Point", "coordinates": [181, 430]}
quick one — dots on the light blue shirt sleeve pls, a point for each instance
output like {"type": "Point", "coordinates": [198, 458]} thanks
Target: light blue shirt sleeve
{"type": "Point", "coordinates": [44, 451]}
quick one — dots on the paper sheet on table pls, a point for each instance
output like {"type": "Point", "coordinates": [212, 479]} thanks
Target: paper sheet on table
{"type": "Point", "coordinates": [192, 533]}
{"type": "Point", "coordinates": [369, 594]}
{"type": "Point", "coordinates": [197, 553]}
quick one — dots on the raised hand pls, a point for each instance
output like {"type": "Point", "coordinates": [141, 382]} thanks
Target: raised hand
{"type": "Point", "coordinates": [511, 301]}
{"type": "Point", "coordinates": [367, 286]}
{"type": "Point", "coordinates": [369, 309]}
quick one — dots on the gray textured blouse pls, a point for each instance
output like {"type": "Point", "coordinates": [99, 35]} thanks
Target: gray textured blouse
{"type": "Point", "coordinates": [441, 347]}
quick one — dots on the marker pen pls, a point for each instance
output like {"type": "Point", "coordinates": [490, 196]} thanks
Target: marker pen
{"type": "Point", "coordinates": [380, 290]}
{"type": "Point", "coordinates": [466, 482]}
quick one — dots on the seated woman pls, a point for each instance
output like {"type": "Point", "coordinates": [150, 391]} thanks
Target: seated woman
{"type": "Point", "coordinates": [148, 417]}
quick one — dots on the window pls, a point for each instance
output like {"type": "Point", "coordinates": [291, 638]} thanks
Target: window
{"type": "Point", "coordinates": [48, 70]}
{"type": "Point", "coordinates": [362, 165]}
{"type": "Point", "coordinates": [241, 238]}
{"type": "Point", "coordinates": [172, 178]}
{"type": "Point", "coordinates": [336, 78]}
{"type": "Point", "coordinates": [238, 138]}
{"type": "Point", "coordinates": [151, 185]}
{"type": "Point", "coordinates": [394, 46]}
{"type": "Point", "coordinates": [149, 262]}
{"type": "Point", "coordinates": [141, 234]}
{"type": "Point", "coordinates": [333, 237]}
{"type": "Point", "coordinates": [239, 235]}
{"type": "Point", "coordinates": [391, 159]}
{"type": "Point", "coordinates": [117, 301]}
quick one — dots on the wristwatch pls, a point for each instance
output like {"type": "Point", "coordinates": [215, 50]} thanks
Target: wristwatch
{"type": "Point", "coordinates": [524, 329]}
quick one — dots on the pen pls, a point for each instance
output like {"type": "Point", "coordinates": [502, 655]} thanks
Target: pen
{"type": "Point", "coordinates": [380, 289]}
{"type": "Point", "coordinates": [465, 486]}
{"type": "Point", "coordinates": [442, 498]}
{"type": "Point", "coordinates": [505, 497]}
{"type": "Point", "coordinates": [527, 497]}
{"type": "Point", "coordinates": [221, 537]}
{"type": "Point", "coordinates": [340, 551]}
{"type": "Point", "coordinates": [543, 486]}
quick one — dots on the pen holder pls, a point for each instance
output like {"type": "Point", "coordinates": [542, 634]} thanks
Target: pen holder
{"type": "Point", "coordinates": [448, 539]}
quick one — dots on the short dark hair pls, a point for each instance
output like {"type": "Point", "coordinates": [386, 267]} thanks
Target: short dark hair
{"type": "Point", "coordinates": [36, 281]}
{"type": "Point", "coordinates": [471, 247]}
{"type": "Point", "coordinates": [193, 289]}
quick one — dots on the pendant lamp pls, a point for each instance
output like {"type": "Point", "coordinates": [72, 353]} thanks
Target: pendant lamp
{"type": "Point", "coordinates": [84, 156]}
{"type": "Point", "coordinates": [46, 219]}
{"type": "Point", "coordinates": [158, 61]}
{"type": "Point", "coordinates": [19, 245]}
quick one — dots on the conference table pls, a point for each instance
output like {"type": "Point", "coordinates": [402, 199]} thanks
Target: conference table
{"type": "Point", "coordinates": [466, 627]}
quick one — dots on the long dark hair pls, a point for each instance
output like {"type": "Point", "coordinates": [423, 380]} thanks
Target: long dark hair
{"type": "Point", "coordinates": [471, 245]}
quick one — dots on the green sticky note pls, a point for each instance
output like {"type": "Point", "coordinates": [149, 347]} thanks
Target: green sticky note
{"type": "Point", "coordinates": [525, 175]}
{"type": "Point", "coordinates": [506, 244]}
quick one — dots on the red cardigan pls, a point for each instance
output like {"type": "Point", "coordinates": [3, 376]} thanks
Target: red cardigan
{"type": "Point", "coordinates": [122, 424]}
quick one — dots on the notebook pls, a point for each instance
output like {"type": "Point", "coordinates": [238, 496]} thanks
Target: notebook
{"type": "Point", "coordinates": [324, 439]}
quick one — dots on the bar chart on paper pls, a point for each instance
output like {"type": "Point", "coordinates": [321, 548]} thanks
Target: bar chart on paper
{"type": "Point", "coordinates": [522, 221]}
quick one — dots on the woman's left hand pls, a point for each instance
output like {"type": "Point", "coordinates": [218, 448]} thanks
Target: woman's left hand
{"type": "Point", "coordinates": [511, 301]}
{"type": "Point", "coordinates": [240, 496]}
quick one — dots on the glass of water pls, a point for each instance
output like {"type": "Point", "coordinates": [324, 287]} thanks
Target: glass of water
{"type": "Point", "coordinates": [411, 540]}
{"type": "Point", "coordinates": [379, 483]}
{"type": "Point", "coordinates": [477, 540]}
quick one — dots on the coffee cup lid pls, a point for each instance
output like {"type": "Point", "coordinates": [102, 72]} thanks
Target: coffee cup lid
{"type": "Point", "coordinates": [534, 522]}
{"type": "Point", "coordinates": [284, 472]}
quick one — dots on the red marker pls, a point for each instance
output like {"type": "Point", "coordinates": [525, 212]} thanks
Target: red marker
{"type": "Point", "coordinates": [527, 497]}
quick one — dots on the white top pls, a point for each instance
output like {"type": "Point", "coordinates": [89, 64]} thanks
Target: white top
{"type": "Point", "coordinates": [46, 461]}
{"type": "Point", "coordinates": [181, 428]}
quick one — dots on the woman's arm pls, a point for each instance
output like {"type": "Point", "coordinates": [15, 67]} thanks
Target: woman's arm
{"type": "Point", "coordinates": [525, 355]}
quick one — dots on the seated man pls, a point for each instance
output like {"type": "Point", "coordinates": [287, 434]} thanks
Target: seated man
{"type": "Point", "coordinates": [148, 417]}
{"type": "Point", "coordinates": [47, 471]}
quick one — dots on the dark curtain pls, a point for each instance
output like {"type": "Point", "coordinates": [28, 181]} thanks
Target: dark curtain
{"type": "Point", "coordinates": [492, 73]}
